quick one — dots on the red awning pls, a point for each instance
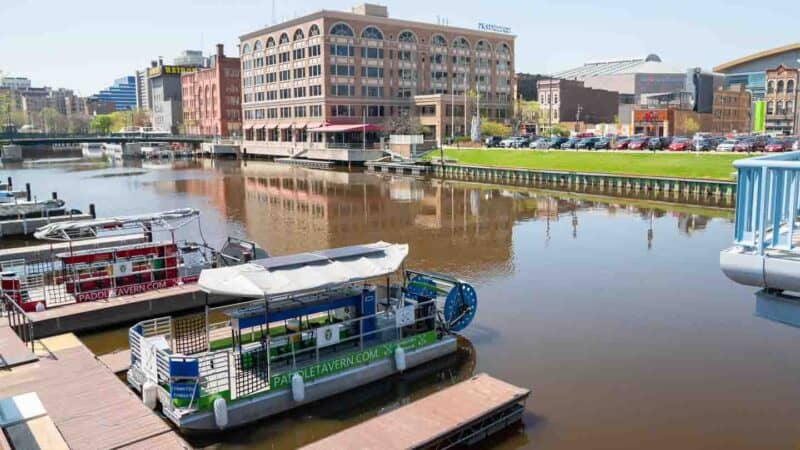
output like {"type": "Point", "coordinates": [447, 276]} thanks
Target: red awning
{"type": "Point", "coordinates": [347, 128]}
{"type": "Point", "coordinates": [312, 125]}
{"type": "Point", "coordinates": [285, 126]}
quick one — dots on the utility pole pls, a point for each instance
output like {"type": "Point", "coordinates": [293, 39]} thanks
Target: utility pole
{"type": "Point", "coordinates": [466, 85]}
{"type": "Point", "coordinates": [550, 106]}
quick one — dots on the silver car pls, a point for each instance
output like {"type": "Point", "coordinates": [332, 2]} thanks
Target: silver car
{"type": "Point", "coordinates": [727, 145]}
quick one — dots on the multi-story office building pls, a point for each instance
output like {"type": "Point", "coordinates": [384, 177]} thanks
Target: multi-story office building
{"type": "Point", "coordinates": [212, 97]}
{"type": "Point", "coordinates": [781, 100]}
{"type": "Point", "coordinates": [142, 90]}
{"type": "Point", "coordinates": [731, 110]}
{"type": "Point", "coordinates": [318, 84]}
{"type": "Point", "coordinates": [164, 89]}
{"type": "Point", "coordinates": [191, 58]}
{"type": "Point", "coordinates": [571, 102]}
{"type": "Point", "coordinates": [122, 93]}
{"type": "Point", "coordinates": [14, 82]}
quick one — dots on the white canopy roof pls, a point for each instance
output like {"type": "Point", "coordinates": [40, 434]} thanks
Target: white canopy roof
{"type": "Point", "coordinates": [305, 271]}
{"type": "Point", "coordinates": [64, 231]}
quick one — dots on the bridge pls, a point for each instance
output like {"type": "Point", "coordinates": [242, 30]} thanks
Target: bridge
{"type": "Point", "coordinates": [766, 233]}
{"type": "Point", "coordinates": [116, 138]}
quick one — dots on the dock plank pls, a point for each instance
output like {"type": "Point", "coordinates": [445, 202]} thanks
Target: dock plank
{"type": "Point", "coordinates": [117, 362]}
{"type": "Point", "coordinates": [13, 351]}
{"type": "Point", "coordinates": [423, 421]}
{"type": "Point", "coordinates": [91, 408]}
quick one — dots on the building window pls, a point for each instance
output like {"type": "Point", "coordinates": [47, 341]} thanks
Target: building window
{"type": "Point", "coordinates": [371, 53]}
{"type": "Point", "coordinates": [300, 72]}
{"type": "Point", "coordinates": [342, 111]}
{"type": "Point", "coordinates": [371, 91]}
{"type": "Point", "coordinates": [461, 43]}
{"type": "Point", "coordinates": [245, 48]}
{"type": "Point", "coordinates": [284, 39]}
{"type": "Point", "coordinates": [286, 93]}
{"type": "Point", "coordinates": [407, 74]}
{"type": "Point", "coordinates": [371, 72]}
{"type": "Point", "coordinates": [298, 53]}
{"type": "Point", "coordinates": [504, 49]}
{"type": "Point", "coordinates": [779, 106]}
{"type": "Point", "coordinates": [286, 112]}
{"type": "Point", "coordinates": [271, 77]}
{"type": "Point", "coordinates": [257, 46]}
{"type": "Point", "coordinates": [315, 110]}
{"type": "Point", "coordinates": [375, 111]}
{"type": "Point", "coordinates": [342, 70]}
{"type": "Point", "coordinates": [407, 36]}
{"type": "Point", "coordinates": [343, 90]}
{"type": "Point", "coordinates": [372, 33]}
{"type": "Point", "coordinates": [438, 39]}
{"type": "Point", "coordinates": [284, 75]}
{"type": "Point", "coordinates": [272, 113]}
{"type": "Point", "coordinates": [313, 31]}
{"type": "Point", "coordinates": [483, 46]}
{"type": "Point", "coordinates": [341, 29]}
{"type": "Point", "coordinates": [790, 87]}
{"type": "Point", "coordinates": [438, 58]}
{"type": "Point", "coordinates": [314, 71]}
{"type": "Point", "coordinates": [770, 87]}
{"type": "Point", "coordinates": [284, 57]}
{"type": "Point", "coordinates": [271, 60]}
{"type": "Point", "coordinates": [299, 92]}
{"type": "Point", "coordinates": [780, 87]}
{"type": "Point", "coordinates": [314, 50]}
{"type": "Point", "coordinates": [299, 111]}
{"type": "Point", "coordinates": [789, 107]}
{"type": "Point", "coordinates": [298, 35]}
{"type": "Point", "coordinates": [342, 50]}
{"type": "Point", "coordinates": [315, 90]}
{"type": "Point", "coordinates": [770, 108]}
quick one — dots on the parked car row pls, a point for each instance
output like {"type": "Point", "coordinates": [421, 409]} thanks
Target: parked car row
{"type": "Point", "coordinates": [700, 142]}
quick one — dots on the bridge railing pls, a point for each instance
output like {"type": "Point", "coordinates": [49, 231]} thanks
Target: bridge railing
{"type": "Point", "coordinates": [767, 200]}
{"type": "Point", "coordinates": [114, 137]}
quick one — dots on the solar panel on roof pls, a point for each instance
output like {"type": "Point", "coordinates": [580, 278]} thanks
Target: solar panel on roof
{"type": "Point", "coordinates": [279, 262]}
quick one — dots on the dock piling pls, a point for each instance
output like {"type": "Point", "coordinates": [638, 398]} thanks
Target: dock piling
{"type": "Point", "coordinates": [10, 184]}
{"type": "Point", "coordinates": [92, 211]}
{"type": "Point", "coordinates": [28, 191]}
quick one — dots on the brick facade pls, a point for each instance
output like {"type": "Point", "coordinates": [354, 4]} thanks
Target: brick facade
{"type": "Point", "coordinates": [212, 98]}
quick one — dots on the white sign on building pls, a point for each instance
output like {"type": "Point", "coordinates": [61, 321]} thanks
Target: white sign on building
{"type": "Point", "coordinates": [404, 316]}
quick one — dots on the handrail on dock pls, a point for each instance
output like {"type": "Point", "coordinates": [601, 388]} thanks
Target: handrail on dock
{"type": "Point", "coordinates": [18, 319]}
{"type": "Point", "coordinates": [768, 190]}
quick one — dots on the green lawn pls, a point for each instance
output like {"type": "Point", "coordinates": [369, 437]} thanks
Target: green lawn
{"type": "Point", "coordinates": [716, 166]}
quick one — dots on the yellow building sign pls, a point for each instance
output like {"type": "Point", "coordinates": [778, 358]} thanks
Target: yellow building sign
{"type": "Point", "coordinates": [169, 70]}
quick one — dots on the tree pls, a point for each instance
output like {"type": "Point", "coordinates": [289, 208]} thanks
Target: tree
{"type": "Point", "coordinates": [49, 117]}
{"type": "Point", "coordinates": [691, 126]}
{"type": "Point", "coordinates": [558, 130]}
{"type": "Point", "coordinates": [101, 123]}
{"type": "Point", "coordinates": [78, 124]}
{"type": "Point", "coordinates": [489, 128]}
{"type": "Point", "coordinates": [403, 124]}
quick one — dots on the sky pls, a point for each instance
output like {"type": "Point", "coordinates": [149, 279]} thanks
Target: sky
{"type": "Point", "coordinates": [85, 44]}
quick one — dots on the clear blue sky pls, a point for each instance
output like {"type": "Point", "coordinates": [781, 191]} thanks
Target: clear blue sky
{"type": "Point", "coordinates": [85, 44]}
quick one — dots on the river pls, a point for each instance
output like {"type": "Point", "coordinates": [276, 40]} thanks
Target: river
{"type": "Point", "coordinates": [613, 311]}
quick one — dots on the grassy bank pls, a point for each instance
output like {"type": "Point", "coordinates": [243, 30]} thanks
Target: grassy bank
{"type": "Point", "coordinates": [714, 166]}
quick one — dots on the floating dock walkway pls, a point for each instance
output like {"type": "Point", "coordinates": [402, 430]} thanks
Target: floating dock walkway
{"type": "Point", "coordinates": [68, 399]}
{"type": "Point", "coordinates": [26, 226]}
{"type": "Point", "coordinates": [459, 415]}
{"type": "Point", "coordinates": [48, 250]}
{"type": "Point", "coordinates": [308, 163]}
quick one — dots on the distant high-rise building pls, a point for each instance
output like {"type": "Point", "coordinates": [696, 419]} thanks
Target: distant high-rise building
{"type": "Point", "coordinates": [142, 90]}
{"type": "Point", "coordinates": [191, 58]}
{"type": "Point", "coordinates": [14, 82]}
{"type": "Point", "coordinates": [122, 93]}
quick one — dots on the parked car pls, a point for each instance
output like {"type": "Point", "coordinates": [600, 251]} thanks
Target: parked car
{"type": "Point", "coordinates": [570, 143]}
{"type": "Point", "coordinates": [586, 143]}
{"type": "Point", "coordinates": [539, 143]}
{"type": "Point", "coordinates": [706, 143]}
{"type": "Point", "coordinates": [655, 143]}
{"type": "Point", "coordinates": [514, 142]}
{"type": "Point", "coordinates": [622, 144]}
{"type": "Point", "coordinates": [555, 142]}
{"type": "Point", "coordinates": [681, 144]}
{"type": "Point", "coordinates": [778, 145]}
{"type": "Point", "coordinates": [603, 144]}
{"type": "Point", "coordinates": [749, 145]}
{"type": "Point", "coordinates": [638, 144]}
{"type": "Point", "coordinates": [727, 145]}
{"type": "Point", "coordinates": [493, 141]}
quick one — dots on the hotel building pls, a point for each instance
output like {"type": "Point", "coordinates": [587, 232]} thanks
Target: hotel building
{"type": "Point", "coordinates": [212, 97]}
{"type": "Point", "coordinates": [317, 85]}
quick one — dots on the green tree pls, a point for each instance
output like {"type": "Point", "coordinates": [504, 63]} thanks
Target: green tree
{"type": "Point", "coordinates": [403, 124]}
{"type": "Point", "coordinates": [101, 123]}
{"type": "Point", "coordinates": [489, 128]}
{"type": "Point", "coordinates": [558, 130]}
{"type": "Point", "coordinates": [691, 126]}
{"type": "Point", "coordinates": [49, 118]}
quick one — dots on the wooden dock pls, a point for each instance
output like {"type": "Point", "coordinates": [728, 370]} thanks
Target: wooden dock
{"type": "Point", "coordinates": [410, 168]}
{"type": "Point", "coordinates": [13, 351]}
{"type": "Point", "coordinates": [89, 406]}
{"type": "Point", "coordinates": [117, 362]}
{"type": "Point", "coordinates": [461, 414]}
{"type": "Point", "coordinates": [308, 163]}
{"type": "Point", "coordinates": [47, 250]}
{"type": "Point", "coordinates": [26, 226]}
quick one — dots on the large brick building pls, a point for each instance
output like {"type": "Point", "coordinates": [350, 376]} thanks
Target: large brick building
{"type": "Point", "coordinates": [571, 102]}
{"type": "Point", "coordinates": [731, 110]}
{"type": "Point", "coordinates": [212, 97]}
{"type": "Point", "coordinates": [315, 85]}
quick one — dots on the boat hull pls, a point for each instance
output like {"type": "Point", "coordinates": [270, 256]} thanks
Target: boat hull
{"type": "Point", "coordinates": [259, 407]}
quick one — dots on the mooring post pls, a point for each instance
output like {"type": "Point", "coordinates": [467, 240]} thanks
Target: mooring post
{"type": "Point", "coordinates": [92, 211]}
{"type": "Point", "coordinates": [10, 184]}
{"type": "Point", "coordinates": [55, 195]}
{"type": "Point", "coordinates": [28, 191]}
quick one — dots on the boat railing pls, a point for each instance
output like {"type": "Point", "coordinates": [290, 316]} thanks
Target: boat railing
{"type": "Point", "coordinates": [238, 372]}
{"type": "Point", "coordinates": [767, 202]}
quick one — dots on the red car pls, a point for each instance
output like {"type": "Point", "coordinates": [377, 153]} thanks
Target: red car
{"type": "Point", "coordinates": [748, 145]}
{"type": "Point", "coordinates": [622, 144]}
{"type": "Point", "coordinates": [777, 145]}
{"type": "Point", "coordinates": [638, 144]}
{"type": "Point", "coordinates": [681, 145]}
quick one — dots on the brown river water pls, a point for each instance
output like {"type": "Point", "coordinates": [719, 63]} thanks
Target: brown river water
{"type": "Point", "coordinates": [613, 311]}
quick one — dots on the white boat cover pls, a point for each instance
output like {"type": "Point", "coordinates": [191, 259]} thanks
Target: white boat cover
{"type": "Point", "coordinates": [63, 230]}
{"type": "Point", "coordinates": [305, 271]}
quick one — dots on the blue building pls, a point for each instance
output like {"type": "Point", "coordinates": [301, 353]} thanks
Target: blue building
{"type": "Point", "coordinates": [751, 70]}
{"type": "Point", "coordinates": [122, 93]}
